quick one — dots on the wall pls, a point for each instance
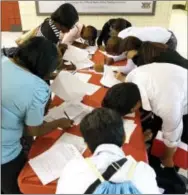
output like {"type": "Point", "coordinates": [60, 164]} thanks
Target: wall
{"type": "Point", "coordinates": [162, 16]}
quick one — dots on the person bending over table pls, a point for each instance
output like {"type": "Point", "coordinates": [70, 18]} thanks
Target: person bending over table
{"type": "Point", "coordinates": [87, 33]}
{"type": "Point", "coordinates": [24, 97]}
{"type": "Point", "coordinates": [162, 89]}
{"type": "Point", "coordinates": [112, 27]}
{"type": "Point", "coordinates": [104, 133]}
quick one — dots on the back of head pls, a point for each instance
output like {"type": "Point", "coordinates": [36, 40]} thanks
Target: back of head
{"type": "Point", "coordinates": [130, 43]}
{"type": "Point", "coordinates": [38, 55]}
{"type": "Point", "coordinates": [91, 34]}
{"type": "Point", "coordinates": [120, 24]}
{"type": "Point", "coordinates": [66, 15]}
{"type": "Point", "coordinates": [112, 46]}
{"type": "Point", "coordinates": [149, 51]}
{"type": "Point", "coordinates": [122, 98]}
{"type": "Point", "coordinates": [102, 126]}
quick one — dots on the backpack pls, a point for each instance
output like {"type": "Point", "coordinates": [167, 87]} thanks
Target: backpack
{"type": "Point", "coordinates": [103, 186]}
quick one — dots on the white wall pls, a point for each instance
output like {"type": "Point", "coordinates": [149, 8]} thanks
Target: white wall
{"type": "Point", "coordinates": [162, 16]}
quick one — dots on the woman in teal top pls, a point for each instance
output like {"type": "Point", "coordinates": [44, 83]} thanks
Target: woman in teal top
{"type": "Point", "coordinates": [24, 97]}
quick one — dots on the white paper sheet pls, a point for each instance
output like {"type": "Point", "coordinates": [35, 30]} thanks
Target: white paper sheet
{"type": "Point", "coordinates": [91, 49]}
{"type": "Point", "coordinates": [75, 110]}
{"type": "Point", "coordinates": [76, 141]}
{"type": "Point", "coordinates": [108, 79]}
{"type": "Point", "coordinates": [75, 54]}
{"type": "Point", "coordinates": [129, 128]}
{"type": "Point", "coordinates": [69, 88]}
{"type": "Point", "coordinates": [131, 115]}
{"type": "Point", "coordinates": [49, 165]}
{"type": "Point", "coordinates": [83, 76]}
{"type": "Point", "coordinates": [86, 63]}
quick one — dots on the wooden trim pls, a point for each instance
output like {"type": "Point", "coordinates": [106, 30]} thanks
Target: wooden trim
{"type": "Point", "coordinates": [103, 14]}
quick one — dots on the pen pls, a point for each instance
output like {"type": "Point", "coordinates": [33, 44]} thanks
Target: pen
{"type": "Point", "coordinates": [67, 115]}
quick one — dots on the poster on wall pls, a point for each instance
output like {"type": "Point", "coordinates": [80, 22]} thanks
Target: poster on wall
{"type": "Point", "coordinates": [103, 7]}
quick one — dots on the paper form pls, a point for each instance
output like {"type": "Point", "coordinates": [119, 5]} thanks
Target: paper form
{"type": "Point", "coordinates": [68, 87]}
{"type": "Point", "coordinates": [83, 77]}
{"type": "Point", "coordinates": [108, 79]}
{"type": "Point", "coordinates": [76, 141]}
{"type": "Point", "coordinates": [79, 57]}
{"type": "Point", "coordinates": [129, 128]}
{"type": "Point", "coordinates": [75, 110]}
{"type": "Point", "coordinates": [49, 165]}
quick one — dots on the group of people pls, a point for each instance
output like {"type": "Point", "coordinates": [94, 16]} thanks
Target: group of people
{"type": "Point", "coordinates": [154, 80]}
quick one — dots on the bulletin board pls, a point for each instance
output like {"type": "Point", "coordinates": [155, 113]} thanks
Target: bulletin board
{"type": "Point", "coordinates": [103, 7]}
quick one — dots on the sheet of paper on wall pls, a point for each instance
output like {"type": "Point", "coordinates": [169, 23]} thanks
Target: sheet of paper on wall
{"type": "Point", "coordinates": [69, 88]}
{"type": "Point", "coordinates": [75, 110]}
{"type": "Point", "coordinates": [108, 79]}
{"type": "Point", "coordinates": [83, 76]}
{"type": "Point", "coordinates": [75, 140]}
{"type": "Point", "coordinates": [129, 128]}
{"type": "Point", "coordinates": [49, 165]}
{"type": "Point", "coordinates": [131, 115]}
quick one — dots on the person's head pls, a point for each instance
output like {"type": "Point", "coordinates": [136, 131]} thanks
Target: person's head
{"type": "Point", "coordinates": [124, 98]}
{"type": "Point", "coordinates": [112, 46]}
{"type": "Point", "coordinates": [39, 55]}
{"type": "Point", "coordinates": [89, 34]}
{"type": "Point", "coordinates": [130, 43]}
{"type": "Point", "coordinates": [118, 25]}
{"type": "Point", "coordinates": [65, 17]}
{"type": "Point", "coordinates": [149, 51]}
{"type": "Point", "coordinates": [102, 126]}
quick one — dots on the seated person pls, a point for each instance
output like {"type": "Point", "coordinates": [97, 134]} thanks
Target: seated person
{"type": "Point", "coordinates": [162, 89]}
{"type": "Point", "coordinates": [115, 25]}
{"type": "Point", "coordinates": [25, 95]}
{"type": "Point", "coordinates": [87, 33]}
{"type": "Point", "coordinates": [104, 133]}
{"type": "Point", "coordinates": [153, 34]}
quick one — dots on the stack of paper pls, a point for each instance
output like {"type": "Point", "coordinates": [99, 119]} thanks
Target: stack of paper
{"type": "Point", "coordinates": [76, 141]}
{"type": "Point", "coordinates": [49, 165]}
{"type": "Point", "coordinates": [129, 127]}
{"type": "Point", "coordinates": [108, 79]}
{"type": "Point", "coordinates": [75, 110]}
{"type": "Point", "coordinates": [68, 87]}
{"type": "Point", "coordinates": [78, 57]}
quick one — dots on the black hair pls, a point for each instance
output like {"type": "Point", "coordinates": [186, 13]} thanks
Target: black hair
{"type": "Point", "coordinates": [102, 126]}
{"type": "Point", "coordinates": [66, 15]}
{"type": "Point", "coordinates": [122, 98]}
{"type": "Point", "coordinates": [38, 55]}
{"type": "Point", "coordinates": [94, 34]}
{"type": "Point", "coordinates": [120, 24]}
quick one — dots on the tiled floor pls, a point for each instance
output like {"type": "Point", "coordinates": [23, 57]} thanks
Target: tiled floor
{"type": "Point", "coordinates": [178, 25]}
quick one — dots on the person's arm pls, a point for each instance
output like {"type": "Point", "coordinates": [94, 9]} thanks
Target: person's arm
{"type": "Point", "coordinates": [105, 31]}
{"type": "Point", "coordinates": [46, 128]}
{"type": "Point", "coordinates": [128, 67]}
{"type": "Point", "coordinates": [71, 36]}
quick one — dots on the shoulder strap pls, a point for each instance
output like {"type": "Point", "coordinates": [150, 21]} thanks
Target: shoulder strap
{"type": "Point", "coordinates": [111, 170]}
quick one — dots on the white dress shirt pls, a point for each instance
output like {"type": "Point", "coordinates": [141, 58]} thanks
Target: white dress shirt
{"type": "Point", "coordinates": [163, 89]}
{"type": "Point", "coordinates": [73, 34]}
{"type": "Point", "coordinates": [77, 176]}
{"type": "Point", "coordinates": [153, 34]}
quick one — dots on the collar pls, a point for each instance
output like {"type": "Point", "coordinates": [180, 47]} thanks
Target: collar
{"type": "Point", "coordinates": [109, 148]}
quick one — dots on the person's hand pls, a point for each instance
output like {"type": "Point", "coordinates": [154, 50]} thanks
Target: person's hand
{"type": "Point", "coordinates": [109, 61]}
{"type": "Point", "coordinates": [119, 76]}
{"type": "Point", "coordinates": [65, 123]}
{"type": "Point", "coordinates": [63, 47]}
{"type": "Point", "coordinates": [167, 162]}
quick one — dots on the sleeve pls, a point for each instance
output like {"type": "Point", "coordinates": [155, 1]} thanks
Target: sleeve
{"type": "Point", "coordinates": [104, 32]}
{"type": "Point", "coordinates": [71, 36]}
{"type": "Point", "coordinates": [35, 111]}
{"type": "Point", "coordinates": [145, 179]}
{"type": "Point", "coordinates": [119, 58]}
{"type": "Point", "coordinates": [128, 67]}
{"type": "Point", "coordinates": [172, 126]}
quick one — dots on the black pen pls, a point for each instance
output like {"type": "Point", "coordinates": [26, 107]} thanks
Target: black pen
{"type": "Point", "coordinates": [67, 115]}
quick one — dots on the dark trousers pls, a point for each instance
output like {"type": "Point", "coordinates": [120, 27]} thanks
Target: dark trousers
{"type": "Point", "coordinates": [9, 174]}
